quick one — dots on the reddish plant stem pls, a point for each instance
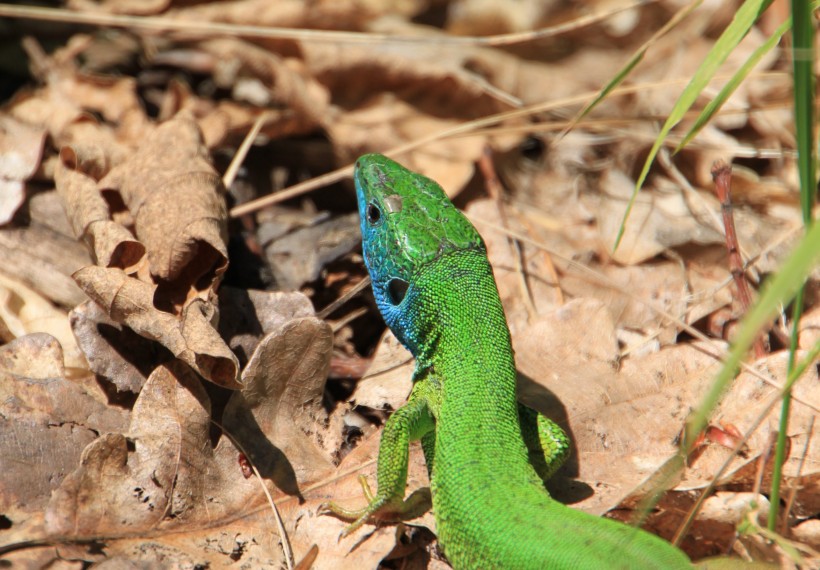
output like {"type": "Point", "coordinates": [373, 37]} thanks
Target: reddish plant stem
{"type": "Point", "coordinates": [722, 175]}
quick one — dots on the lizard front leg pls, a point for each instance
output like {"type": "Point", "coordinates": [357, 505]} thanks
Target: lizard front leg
{"type": "Point", "coordinates": [409, 423]}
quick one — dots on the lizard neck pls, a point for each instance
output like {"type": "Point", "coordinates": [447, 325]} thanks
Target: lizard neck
{"type": "Point", "coordinates": [459, 332]}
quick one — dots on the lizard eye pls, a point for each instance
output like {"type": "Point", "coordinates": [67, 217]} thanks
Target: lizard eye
{"type": "Point", "coordinates": [396, 290]}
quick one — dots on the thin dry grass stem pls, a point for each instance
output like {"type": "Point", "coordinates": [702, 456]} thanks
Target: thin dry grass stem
{"type": "Point", "coordinates": [244, 148]}
{"type": "Point", "coordinates": [280, 525]}
{"type": "Point", "coordinates": [621, 121]}
{"type": "Point", "coordinates": [552, 272]}
{"type": "Point", "coordinates": [469, 127]}
{"type": "Point", "coordinates": [762, 461]}
{"type": "Point", "coordinates": [722, 175]}
{"type": "Point", "coordinates": [673, 22]}
{"type": "Point", "coordinates": [336, 326]}
{"type": "Point", "coordinates": [292, 192]}
{"type": "Point", "coordinates": [211, 29]}
{"type": "Point", "coordinates": [355, 290]}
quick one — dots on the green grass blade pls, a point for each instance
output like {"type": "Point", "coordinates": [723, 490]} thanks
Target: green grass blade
{"type": "Point", "coordinates": [715, 104]}
{"type": "Point", "coordinates": [624, 72]}
{"type": "Point", "coordinates": [740, 25]}
{"type": "Point", "coordinates": [779, 289]}
{"type": "Point", "coordinates": [803, 66]}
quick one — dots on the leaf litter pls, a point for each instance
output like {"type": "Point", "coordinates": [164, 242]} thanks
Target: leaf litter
{"type": "Point", "coordinates": [113, 449]}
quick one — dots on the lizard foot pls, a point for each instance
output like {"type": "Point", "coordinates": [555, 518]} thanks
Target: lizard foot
{"type": "Point", "coordinates": [380, 509]}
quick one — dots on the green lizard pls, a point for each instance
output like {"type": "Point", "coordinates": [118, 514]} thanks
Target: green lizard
{"type": "Point", "coordinates": [487, 455]}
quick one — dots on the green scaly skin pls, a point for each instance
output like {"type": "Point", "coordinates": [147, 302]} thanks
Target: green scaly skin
{"type": "Point", "coordinates": [487, 455]}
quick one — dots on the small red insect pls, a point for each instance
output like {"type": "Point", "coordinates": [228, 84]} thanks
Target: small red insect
{"type": "Point", "coordinates": [245, 465]}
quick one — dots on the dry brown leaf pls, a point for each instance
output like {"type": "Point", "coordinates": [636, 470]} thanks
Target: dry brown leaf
{"type": "Point", "coordinates": [24, 311]}
{"type": "Point", "coordinates": [574, 346]}
{"type": "Point", "coordinates": [165, 472]}
{"type": "Point", "coordinates": [388, 379]}
{"type": "Point", "coordinates": [248, 315]}
{"type": "Point", "coordinates": [115, 352]}
{"type": "Point", "coordinates": [435, 78]}
{"type": "Point", "coordinates": [687, 294]}
{"type": "Point", "coordinates": [571, 358]}
{"type": "Point", "coordinates": [21, 147]}
{"type": "Point", "coordinates": [286, 81]}
{"type": "Point", "coordinates": [810, 328]}
{"type": "Point", "coordinates": [300, 256]}
{"type": "Point", "coordinates": [44, 260]}
{"type": "Point", "coordinates": [192, 338]}
{"type": "Point", "coordinates": [76, 178]}
{"type": "Point", "coordinates": [126, 359]}
{"type": "Point", "coordinates": [44, 109]}
{"type": "Point", "coordinates": [290, 414]}
{"type": "Point", "coordinates": [117, 490]}
{"type": "Point", "coordinates": [182, 225]}
{"type": "Point", "coordinates": [658, 220]}
{"type": "Point", "coordinates": [113, 97]}
{"type": "Point", "coordinates": [177, 201]}
{"type": "Point", "coordinates": [385, 121]}
{"type": "Point", "coordinates": [160, 481]}
{"type": "Point", "coordinates": [45, 421]}
{"type": "Point", "coordinates": [69, 95]}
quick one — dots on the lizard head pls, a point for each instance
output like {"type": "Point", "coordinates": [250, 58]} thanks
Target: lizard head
{"type": "Point", "coordinates": [407, 221]}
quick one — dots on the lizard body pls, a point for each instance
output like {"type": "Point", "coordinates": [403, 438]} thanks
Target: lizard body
{"type": "Point", "coordinates": [487, 455]}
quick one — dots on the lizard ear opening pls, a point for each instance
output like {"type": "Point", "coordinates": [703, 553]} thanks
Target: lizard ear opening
{"type": "Point", "coordinates": [373, 213]}
{"type": "Point", "coordinates": [396, 290]}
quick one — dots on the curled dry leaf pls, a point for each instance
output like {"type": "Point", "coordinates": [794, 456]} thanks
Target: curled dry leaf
{"type": "Point", "coordinates": [192, 338]}
{"type": "Point", "coordinates": [126, 359]}
{"type": "Point", "coordinates": [177, 201]}
{"type": "Point", "coordinates": [20, 149]}
{"type": "Point", "coordinates": [76, 177]}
